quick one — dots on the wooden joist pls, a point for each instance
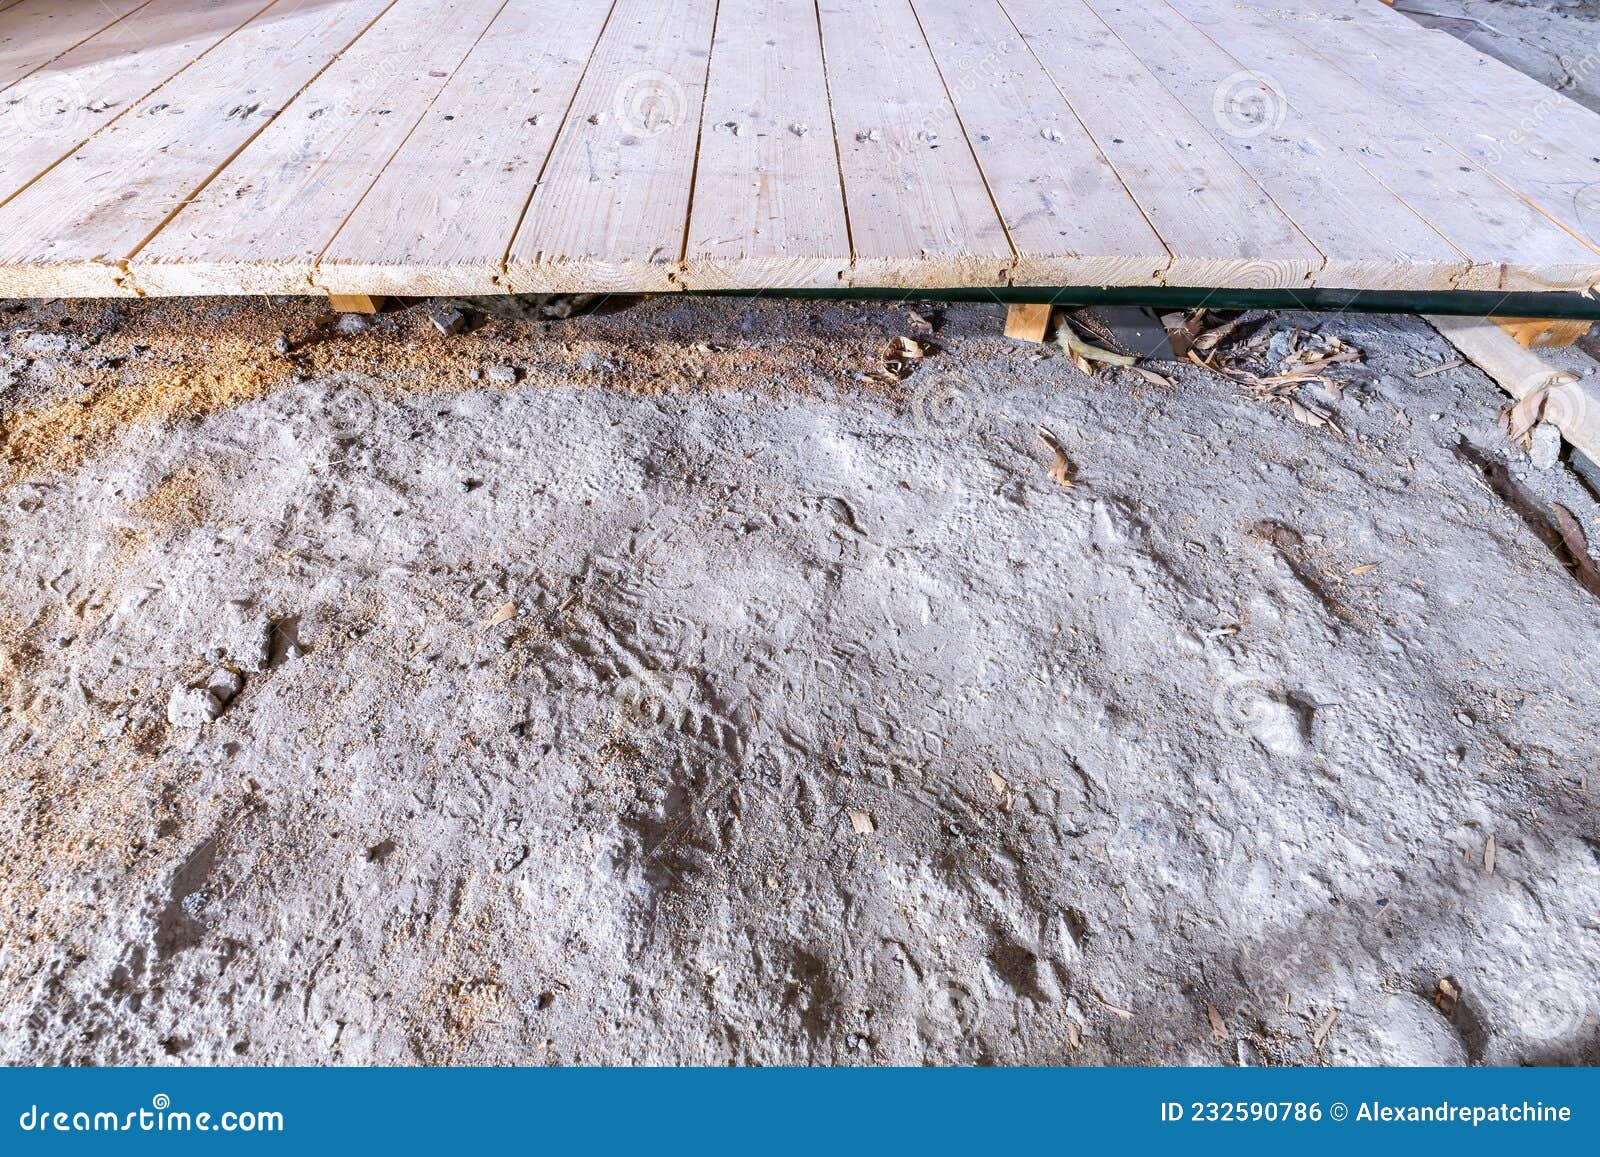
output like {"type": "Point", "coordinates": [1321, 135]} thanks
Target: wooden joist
{"type": "Point", "coordinates": [1539, 333]}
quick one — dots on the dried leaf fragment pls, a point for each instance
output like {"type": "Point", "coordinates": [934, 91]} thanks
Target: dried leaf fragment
{"type": "Point", "coordinates": [1219, 1027]}
{"type": "Point", "coordinates": [1320, 1036]}
{"type": "Point", "coordinates": [1576, 545]}
{"type": "Point", "coordinates": [1152, 377]}
{"type": "Point", "coordinates": [1062, 470]}
{"type": "Point", "coordinates": [905, 349]}
{"type": "Point", "coordinates": [1081, 352]}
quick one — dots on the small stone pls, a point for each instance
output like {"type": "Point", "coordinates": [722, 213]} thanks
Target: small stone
{"type": "Point", "coordinates": [353, 323]}
{"type": "Point", "coordinates": [224, 684]}
{"type": "Point", "coordinates": [283, 347]}
{"type": "Point", "coordinates": [1546, 449]}
{"type": "Point", "coordinates": [45, 343]}
{"type": "Point", "coordinates": [192, 707]}
{"type": "Point", "coordinates": [250, 644]}
{"type": "Point", "coordinates": [448, 321]}
{"type": "Point", "coordinates": [475, 374]}
{"type": "Point", "coordinates": [502, 373]}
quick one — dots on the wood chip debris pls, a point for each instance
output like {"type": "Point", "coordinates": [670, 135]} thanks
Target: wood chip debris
{"type": "Point", "coordinates": [505, 614]}
{"type": "Point", "coordinates": [1447, 996]}
{"type": "Point", "coordinates": [1576, 545]}
{"type": "Point", "coordinates": [1365, 568]}
{"type": "Point", "coordinates": [1518, 420]}
{"type": "Point", "coordinates": [1319, 1037]}
{"type": "Point", "coordinates": [1489, 854]}
{"type": "Point", "coordinates": [1062, 471]}
{"type": "Point", "coordinates": [1083, 354]}
{"type": "Point", "coordinates": [861, 822]}
{"type": "Point", "coordinates": [1219, 1027]}
{"type": "Point", "coordinates": [898, 360]}
{"type": "Point", "coordinates": [1114, 1010]}
{"type": "Point", "coordinates": [1275, 365]}
{"type": "Point", "coordinates": [1455, 364]}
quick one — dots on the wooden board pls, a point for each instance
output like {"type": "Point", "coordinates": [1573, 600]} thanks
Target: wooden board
{"type": "Point", "coordinates": [439, 218]}
{"type": "Point", "coordinates": [406, 147]}
{"type": "Point", "coordinates": [35, 32]}
{"type": "Point", "coordinates": [768, 199]}
{"type": "Point", "coordinates": [73, 231]}
{"type": "Point", "coordinates": [613, 206]}
{"type": "Point", "coordinates": [47, 114]}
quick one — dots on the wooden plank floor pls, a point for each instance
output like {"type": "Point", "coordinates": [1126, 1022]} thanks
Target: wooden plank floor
{"type": "Point", "coordinates": [406, 147]}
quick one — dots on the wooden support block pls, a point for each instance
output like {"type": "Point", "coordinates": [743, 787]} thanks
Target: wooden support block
{"type": "Point", "coordinates": [1537, 333]}
{"type": "Point", "coordinates": [1572, 404]}
{"type": "Point", "coordinates": [1027, 322]}
{"type": "Point", "coordinates": [354, 303]}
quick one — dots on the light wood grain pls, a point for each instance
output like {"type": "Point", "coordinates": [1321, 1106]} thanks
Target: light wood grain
{"type": "Point", "coordinates": [1068, 214]}
{"type": "Point", "coordinates": [1220, 227]}
{"type": "Point", "coordinates": [920, 211]}
{"type": "Point", "coordinates": [1537, 141]}
{"type": "Point", "coordinates": [49, 113]}
{"type": "Point", "coordinates": [35, 32]}
{"type": "Point", "coordinates": [1282, 144]}
{"type": "Point", "coordinates": [768, 207]}
{"type": "Point", "coordinates": [268, 216]}
{"type": "Point", "coordinates": [613, 207]}
{"type": "Point", "coordinates": [1510, 244]}
{"type": "Point", "coordinates": [72, 232]}
{"type": "Point", "coordinates": [400, 147]}
{"type": "Point", "coordinates": [440, 218]}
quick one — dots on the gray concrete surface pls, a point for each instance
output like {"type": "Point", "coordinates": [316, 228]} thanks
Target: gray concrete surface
{"type": "Point", "coordinates": [669, 686]}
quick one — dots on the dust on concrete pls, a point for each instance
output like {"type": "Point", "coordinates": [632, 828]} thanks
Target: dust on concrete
{"type": "Point", "coordinates": [693, 694]}
{"type": "Point", "coordinates": [665, 686]}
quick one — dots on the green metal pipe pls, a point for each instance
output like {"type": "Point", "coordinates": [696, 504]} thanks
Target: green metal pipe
{"type": "Point", "coordinates": [1466, 303]}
